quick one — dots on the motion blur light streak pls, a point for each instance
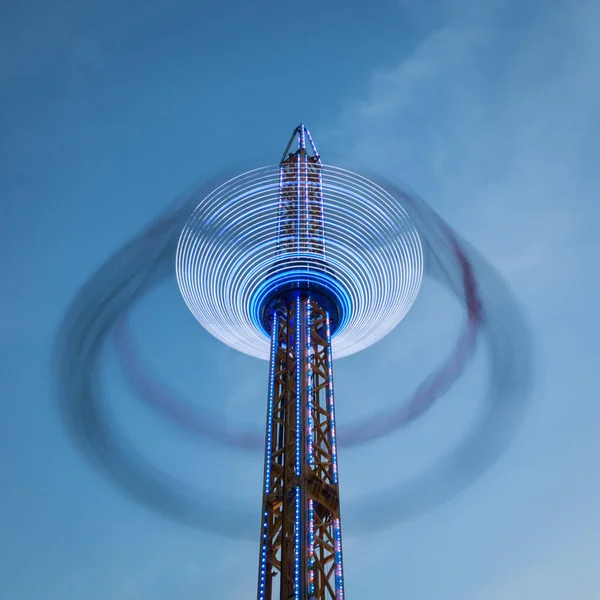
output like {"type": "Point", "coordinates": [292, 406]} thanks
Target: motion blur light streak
{"type": "Point", "coordinates": [458, 275]}
{"type": "Point", "coordinates": [98, 316]}
{"type": "Point", "coordinates": [83, 335]}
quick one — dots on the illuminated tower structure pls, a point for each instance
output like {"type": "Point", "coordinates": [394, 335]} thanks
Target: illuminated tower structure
{"type": "Point", "coordinates": [277, 262]}
{"type": "Point", "coordinates": [301, 540]}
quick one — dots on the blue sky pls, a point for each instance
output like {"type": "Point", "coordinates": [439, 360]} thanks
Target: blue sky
{"type": "Point", "coordinates": [489, 110]}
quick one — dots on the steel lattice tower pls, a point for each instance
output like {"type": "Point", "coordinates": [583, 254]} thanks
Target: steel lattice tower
{"type": "Point", "coordinates": [277, 262]}
{"type": "Point", "coordinates": [301, 546]}
{"type": "Point", "coordinates": [274, 262]}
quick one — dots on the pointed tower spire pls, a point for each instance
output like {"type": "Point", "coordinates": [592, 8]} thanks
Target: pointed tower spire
{"type": "Point", "coordinates": [300, 142]}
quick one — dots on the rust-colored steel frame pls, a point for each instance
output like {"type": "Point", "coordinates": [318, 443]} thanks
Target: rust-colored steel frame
{"type": "Point", "coordinates": [301, 533]}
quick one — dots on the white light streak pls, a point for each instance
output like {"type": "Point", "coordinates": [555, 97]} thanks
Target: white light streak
{"type": "Point", "coordinates": [228, 248]}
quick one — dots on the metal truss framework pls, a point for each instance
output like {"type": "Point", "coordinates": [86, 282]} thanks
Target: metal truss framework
{"type": "Point", "coordinates": [301, 532]}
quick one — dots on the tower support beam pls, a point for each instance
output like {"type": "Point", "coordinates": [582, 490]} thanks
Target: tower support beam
{"type": "Point", "coordinates": [301, 554]}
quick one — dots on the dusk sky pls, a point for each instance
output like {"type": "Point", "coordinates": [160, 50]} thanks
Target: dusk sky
{"type": "Point", "coordinates": [489, 109]}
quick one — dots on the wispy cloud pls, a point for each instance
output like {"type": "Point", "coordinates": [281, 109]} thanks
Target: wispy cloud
{"type": "Point", "coordinates": [494, 123]}
{"type": "Point", "coordinates": [494, 119]}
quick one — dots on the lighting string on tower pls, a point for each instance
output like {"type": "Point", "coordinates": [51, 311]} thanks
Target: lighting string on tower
{"type": "Point", "coordinates": [97, 317]}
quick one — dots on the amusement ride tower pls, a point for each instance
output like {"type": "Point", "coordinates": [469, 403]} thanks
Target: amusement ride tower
{"type": "Point", "coordinates": [301, 530]}
{"type": "Point", "coordinates": [295, 264]}
{"type": "Point", "coordinates": [276, 262]}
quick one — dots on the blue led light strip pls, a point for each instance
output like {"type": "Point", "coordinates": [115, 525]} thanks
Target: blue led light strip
{"type": "Point", "coordinates": [321, 209]}
{"type": "Point", "coordinates": [320, 189]}
{"type": "Point", "coordinates": [331, 406]}
{"type": "Point", "coordinates": [309, 382]}
{"type": "Point", "coordinates": [339, 577]}
{"type": "Point", "coordinates": [298, 523]}
{"type": "Point", "coordinates": [312, 144]}
{"type": "Point", "coordinates": [307, 245]}
{"type": "Point", "coordinates": [298, 206]}
{"type": "Point", "coordinates": [337, 531]}
{"type": "Point", "coordinates": [281, 205]}
{"type": "Point", "coordinates": [309, 449]}
{"type": "Point", "coordinates": [311, 548]}
{"type": "Point", "coordinates": [269, 449]}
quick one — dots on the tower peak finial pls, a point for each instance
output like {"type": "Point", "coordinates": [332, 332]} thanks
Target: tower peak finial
{"type": "Point", "coordinates": [301, 141]}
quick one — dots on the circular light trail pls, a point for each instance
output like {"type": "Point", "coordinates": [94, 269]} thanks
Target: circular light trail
{"type": "Point", "coordinates": [228, 259]}
{"type": "Point", "coordinates": [147, 261]}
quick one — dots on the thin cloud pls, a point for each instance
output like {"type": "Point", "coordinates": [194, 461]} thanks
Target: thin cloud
{"type": "Point", "coordinates": [499, 146]}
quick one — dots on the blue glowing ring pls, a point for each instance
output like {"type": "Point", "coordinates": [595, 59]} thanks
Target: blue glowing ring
{"type": "Point", "coordinates": [227, 257]}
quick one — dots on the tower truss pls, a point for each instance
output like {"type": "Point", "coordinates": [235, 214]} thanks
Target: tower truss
{"type": "Point", "coordinates": [301, 545]}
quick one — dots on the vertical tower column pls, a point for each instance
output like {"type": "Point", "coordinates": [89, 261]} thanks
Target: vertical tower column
{"type": "Point", "coordinates": [301, 548]}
